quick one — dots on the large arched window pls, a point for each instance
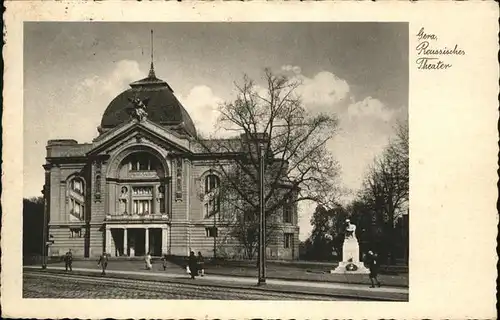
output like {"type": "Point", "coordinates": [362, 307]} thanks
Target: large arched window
{"type": "Point", "coordinates": [142, 161]}
{"type": "Point", "coordinates": [212, 195]}
{"type": "Point", "coordinates": [77, 185]}
{"type": "Point", "coordinates": [211, 183]}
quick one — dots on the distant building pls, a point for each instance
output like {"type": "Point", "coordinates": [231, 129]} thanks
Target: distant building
{"type": "Point", "coordinates": [139, 186]}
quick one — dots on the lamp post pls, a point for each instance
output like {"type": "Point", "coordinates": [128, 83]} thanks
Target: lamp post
{"type": "Point", "coordinates": [214, 197]}
{"type": "Point", "coordinates": [262, 219]}
{"type": "Point", "coordinates": [405, 227]}
{"type": "Point", "coordinates": [44, 228]}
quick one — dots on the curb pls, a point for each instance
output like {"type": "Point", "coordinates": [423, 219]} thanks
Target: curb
{"type": "Point", "coordinates": [311, 280]}
{"type": "Point", "coordinates": [216, 272]}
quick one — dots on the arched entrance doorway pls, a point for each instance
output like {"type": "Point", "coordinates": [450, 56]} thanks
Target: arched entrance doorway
{"type": "Point", "coordinates": [139, 203]}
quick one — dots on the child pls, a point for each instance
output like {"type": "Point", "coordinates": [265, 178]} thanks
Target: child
{"type": "Point", "coordinates": [164, 260]}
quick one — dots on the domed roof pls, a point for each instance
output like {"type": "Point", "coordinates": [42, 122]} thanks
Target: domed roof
{"type": "Point", "coordinates": [162, 106]}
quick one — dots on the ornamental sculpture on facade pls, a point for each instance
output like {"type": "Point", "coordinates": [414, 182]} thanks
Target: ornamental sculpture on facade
{"type": "Point", "coordinates": [139, 111]}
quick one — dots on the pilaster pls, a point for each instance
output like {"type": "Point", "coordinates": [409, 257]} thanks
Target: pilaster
{"type": "Point", "coordinates": [146, 243]}
{"type": "Point", "coordinates": [108, 240]}
{"type": "Point", "coordinates": [165, 245]}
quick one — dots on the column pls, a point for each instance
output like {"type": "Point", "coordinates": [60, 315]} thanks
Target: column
{"type": "Point", "coordinates": [146, 243]}
{"type": "Point", "coordinates": [154, 202]}
{"type": "Point", "coordinates": [108, 240]}
{"type": "Point", "coordinates": [125, 244]}
{"type": "Point", "coordinates": [164, 240]}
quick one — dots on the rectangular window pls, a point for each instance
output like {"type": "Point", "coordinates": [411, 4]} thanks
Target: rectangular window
{"type": "Point", "coordinates": [287, 241]}
{"type": "Point", "coordinates": [178, 179]}
{"type": "Point", "coordinates": [142, 206]}
{"type": "Point", "coordinates": [76, 209]}
{"type": "Point", "coordinates": [288, 213]}
{"type": "Point", "coordinates": [75, 232]}
{"type": "Point", "coordinates": [142, 191]}
{"type": "Point", "coordinates": [206, 208]}
{"type": "Point", "coordinates": [249, 215]}
{"type": "Point", "coordinates": [144, 165]}
{"type": "Point", "coordinates": [162, 205]}
{"type": "Point", "coordinates": [211, 232]}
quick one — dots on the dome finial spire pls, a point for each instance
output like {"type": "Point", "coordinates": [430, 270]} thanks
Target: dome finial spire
{"type": "Point", "coordinates": [152, 69]}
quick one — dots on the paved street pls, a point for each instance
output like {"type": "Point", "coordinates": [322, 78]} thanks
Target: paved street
{"type": "Point", "coordinates": [45, 285]}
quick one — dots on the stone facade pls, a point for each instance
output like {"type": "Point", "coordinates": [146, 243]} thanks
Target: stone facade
{"type": "Point", "coordinates": [138, 188]}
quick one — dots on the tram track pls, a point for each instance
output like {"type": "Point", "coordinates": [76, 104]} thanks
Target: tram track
{"type": "Point", "coordinates": [154, 289]}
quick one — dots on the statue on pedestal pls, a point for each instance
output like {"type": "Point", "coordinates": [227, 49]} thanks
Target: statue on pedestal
{"type": "Point", "coordinates": [350, 252]}
{"type": "Point", "coordinates": [123, 201]}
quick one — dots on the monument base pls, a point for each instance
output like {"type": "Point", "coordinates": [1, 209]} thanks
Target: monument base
{"type": "Point", "coordinates": [342, 268]}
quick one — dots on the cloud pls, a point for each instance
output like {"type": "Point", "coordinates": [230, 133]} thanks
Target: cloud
{"type": "Point", "coordinates": [294, 69]}
{"type": "Point", "coordinates": [365, 128]}
{"type": "Point", "coordinates": [73, 110]}
{"type": "Point", "coordinates": [202, 105]}
{"type": "Point", "coordinates": [116, 81]}
{"type": "Point", "coordinates": [324, 90]}
{"type": "Point", "coordinates": [93, 95]}
{"type": "Point", "coordinates": [370, 108]}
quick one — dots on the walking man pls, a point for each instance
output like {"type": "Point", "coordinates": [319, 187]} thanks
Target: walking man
{"type": "Point", "coordinates": [201, 264]}
{"type": "Point", "coordinates": [193, 265]}
{"type": "Point", "coordinates": [373, 266]}
{"type": "Point", "coordinates": [68, 260]}
{"type": "Point", "coordinates": [103, 262]}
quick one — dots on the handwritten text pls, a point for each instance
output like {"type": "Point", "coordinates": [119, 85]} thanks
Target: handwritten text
{"type": "Point", "coordinates": [430, 55]}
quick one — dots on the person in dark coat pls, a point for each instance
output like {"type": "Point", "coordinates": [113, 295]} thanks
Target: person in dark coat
{"type": "Point", "coordinates": [201, 264]}
{"type": "Point", "coordinates": [373, 265]}
{"type": "Point", "coordinates": [68, 260]}
{"type": "Point", "coordinates": [193, 265]}
{"type": "Point", "coordinates": [103, 262]}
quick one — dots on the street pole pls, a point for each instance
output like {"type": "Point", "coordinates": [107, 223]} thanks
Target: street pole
{"type": "Point", "coordinates": [44, 230]}
{"type": "Point", "coordinates": [406, 238]}
{"type": "Point", "coordinates": [214, 200]}
{"type": "Point", "coordinates": [262, 223]}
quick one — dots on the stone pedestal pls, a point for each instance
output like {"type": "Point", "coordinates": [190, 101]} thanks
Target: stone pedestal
{"type": "Point", "coordinates": [350, 256]}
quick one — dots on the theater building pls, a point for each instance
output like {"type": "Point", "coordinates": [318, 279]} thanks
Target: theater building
{"type": "Point", "coordinates": [138, 186]}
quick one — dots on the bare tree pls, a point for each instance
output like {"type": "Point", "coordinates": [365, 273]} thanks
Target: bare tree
{"type": "Point", "coordinates": [386, 186]}
{"type": "Point", "coordinates": [272, 122]}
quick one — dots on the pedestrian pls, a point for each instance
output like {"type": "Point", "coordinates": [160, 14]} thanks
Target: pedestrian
{"type": "Point", "coordinates": [373, 265]}
{"type": "Point", "coordinates": [103, 262]}
{"type": "Point", "coordinates": [201, 264]}
{"type": "Point", "coordinates": [164, 260]}
{"type": "Point", "coordinates": [68, 260]}
{"type": "Point", "coordinates": [147, 259]}
{"type": "Point", "coordinates": [193, 265]}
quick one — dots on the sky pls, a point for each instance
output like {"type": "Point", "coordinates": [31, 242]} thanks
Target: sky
{"type": "Point", "coordinates": [356, 71]}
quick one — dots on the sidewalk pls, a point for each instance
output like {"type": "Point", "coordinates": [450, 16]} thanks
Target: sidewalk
{"type": "Point", "coordinates": [284, 273]}
{"type": "Point", "coordinates": [346, 290]}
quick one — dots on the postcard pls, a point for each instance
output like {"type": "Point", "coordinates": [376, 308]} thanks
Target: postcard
{"type": "Point", "coordinates": [300, 160]}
